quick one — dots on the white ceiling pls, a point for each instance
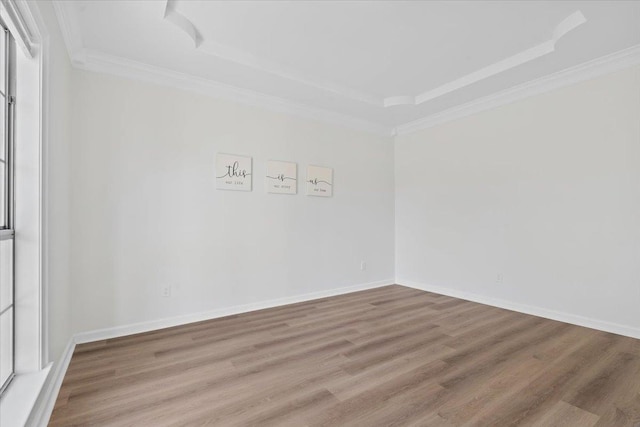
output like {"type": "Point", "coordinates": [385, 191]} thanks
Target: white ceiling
{"type": "Point", "coordinates": [382, 64]}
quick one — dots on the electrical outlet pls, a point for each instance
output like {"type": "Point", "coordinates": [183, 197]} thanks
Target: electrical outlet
{"type": "Point", "coordinates": [166, 291]}
{"type": "Point", "coordinates": [499, 278]}
{"type": "Point", "coordinates": [363, 265]}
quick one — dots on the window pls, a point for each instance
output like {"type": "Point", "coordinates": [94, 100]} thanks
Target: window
{"type": "Point", "coordinates": [7, 230]}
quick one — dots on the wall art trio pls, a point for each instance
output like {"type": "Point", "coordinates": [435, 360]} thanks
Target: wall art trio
{"type": "Point", "coordinates": [235, 173]}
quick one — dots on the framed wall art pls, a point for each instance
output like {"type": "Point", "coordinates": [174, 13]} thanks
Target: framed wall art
{"type": "Point", "coordinates": [319, 181]}
{"type": "Point", "coordinates": [233, 172]}
{"type": "Point", "coordinates": [281, 177]}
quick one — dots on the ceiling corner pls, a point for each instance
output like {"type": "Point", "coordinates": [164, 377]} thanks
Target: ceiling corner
{"type": "Point", "coordinates": [70, 29]}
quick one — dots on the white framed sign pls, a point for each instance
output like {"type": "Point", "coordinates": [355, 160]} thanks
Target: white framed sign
{"type": "Point", "coordinates": [281, 177]}
{"type": "Point", "coordinates": [319, 181]}
{"type": "Point", "coordinates": [233, 172]}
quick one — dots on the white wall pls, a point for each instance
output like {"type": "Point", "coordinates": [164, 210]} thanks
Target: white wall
{"type": "Point", "coordinates": [146, 214]}
{"type": "Point", "coordinates": [545, 192]}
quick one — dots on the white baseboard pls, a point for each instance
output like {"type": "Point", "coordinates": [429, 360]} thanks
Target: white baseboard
{"type": "Point", "coordinates": [152, 325]}
{"type": "Point", "coordinates": [573, 319]}
{"type": "Point", "coordinates": [42, 412]}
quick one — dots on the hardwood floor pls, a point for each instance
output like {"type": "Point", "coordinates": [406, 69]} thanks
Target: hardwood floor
{"type": "Point", "coordinates": [390, 356]}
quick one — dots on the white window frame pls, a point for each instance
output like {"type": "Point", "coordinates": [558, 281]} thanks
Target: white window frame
{"type": "Point", "coordinates": [8, 234]}
{"type": "Point", "coordinates": [31, 362]}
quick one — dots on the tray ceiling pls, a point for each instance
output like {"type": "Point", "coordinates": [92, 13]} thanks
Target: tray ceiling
{"type": "Point", "coordinates": [385, 66]}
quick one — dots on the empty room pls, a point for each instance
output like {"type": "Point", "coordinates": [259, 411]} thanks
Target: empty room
{"type": "Point", "coordinates": [319, 213]}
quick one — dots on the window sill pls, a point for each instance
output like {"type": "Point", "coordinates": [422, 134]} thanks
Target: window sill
{"type": "Point", "coordinates": [19, 399]}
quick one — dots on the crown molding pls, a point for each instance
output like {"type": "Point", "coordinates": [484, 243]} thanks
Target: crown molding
{"type": "Point", "coordinates": [87, 59]}
{"type": "Point", "coordinates": [606, 64]}
{"type": "Point", "coordinates": [179, 20]}
{"type": "Point", "coordinates": [100, 62]}
{"type": "Point", "coordinates": [70, 29]}
{"type": "Point", "coordinates": [567, 25]}
{"type": "Point", "coordinates": [238, 56]}
{"type": "Point", "coordinates": [93, 60]}
{"type": "Point", "coordinates": [230, 54]}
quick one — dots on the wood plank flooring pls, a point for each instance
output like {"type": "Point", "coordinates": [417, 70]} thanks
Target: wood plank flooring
{"type": "Point", "coordinates": [391, 356]}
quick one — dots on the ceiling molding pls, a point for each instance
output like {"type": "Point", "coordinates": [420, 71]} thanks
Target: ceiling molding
{"type": "Point", "coordinates": [181, 22]}
{"type": "Point", "coordinates": [92, 60]}
{"type": "Point", "coordinates": [568, 24]}
{"type": "Point", "coordinates": [123, 67]}
{"type": "Point", "coordinates": [70, 29]}
{"type": "Point", "coordinates": [99, 62]}
{"type": "Point", "coordinates": [96, 61]}
{"type": "Point", "coordinates": [247, 59]}
{"type": "Point", "coordinates": [607, 64]}
{"type": "Point", "coordinates": [238, 56]}
{"type": "Point", "coordinates": [399, 100]}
